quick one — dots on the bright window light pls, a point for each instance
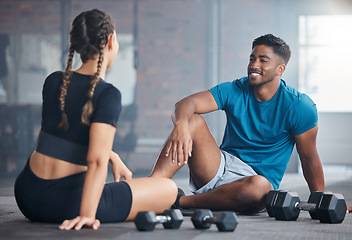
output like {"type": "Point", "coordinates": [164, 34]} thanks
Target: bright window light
{"type": "Point", "coordinates": [325, 61]}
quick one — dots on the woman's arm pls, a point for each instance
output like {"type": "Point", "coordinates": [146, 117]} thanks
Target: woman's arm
{"type": "Point", "coordinates": [119, 169]}
{"type": "Point", "coordinates": [101, 138]}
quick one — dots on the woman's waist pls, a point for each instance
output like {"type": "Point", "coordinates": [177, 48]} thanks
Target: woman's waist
{"type": "Point", "coordinates": [47, 167]}
{"type": "Point", "coordinates": [60, 148]}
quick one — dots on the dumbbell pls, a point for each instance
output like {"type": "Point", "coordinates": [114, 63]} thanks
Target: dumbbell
{"type": "Point", "coordinates": [332, 208]}
{"type": "Point", "coordinates": [224, 221]}
{"type": "Point", "coordinates": [315, 197]}
{"type": "Point", "coordinates": [270, 201]}
{"type": "Point", "coordinates": [171, 219]}
{"type": "Point", "coordinates": [272, 197]}
{"type": "Point", "coordinates": [327, 207]}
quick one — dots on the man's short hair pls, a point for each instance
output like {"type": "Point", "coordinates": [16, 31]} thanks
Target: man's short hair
{"type": "Point", "coordinates": [278, 45]}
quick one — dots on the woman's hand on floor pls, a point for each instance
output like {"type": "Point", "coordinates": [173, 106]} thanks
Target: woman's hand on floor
{"type": "Point", "coordinates": [78, 222]}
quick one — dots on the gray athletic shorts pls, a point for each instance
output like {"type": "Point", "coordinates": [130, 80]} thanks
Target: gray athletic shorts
{"type": "Point", "coordinates": [231, 169]}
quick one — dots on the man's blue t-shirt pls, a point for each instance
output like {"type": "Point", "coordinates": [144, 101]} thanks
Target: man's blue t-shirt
{"type": "Point", "coordinates": [262, 133]}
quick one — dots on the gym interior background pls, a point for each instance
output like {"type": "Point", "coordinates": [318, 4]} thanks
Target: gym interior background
{"type": "Point", "coordinates": [170, 49]}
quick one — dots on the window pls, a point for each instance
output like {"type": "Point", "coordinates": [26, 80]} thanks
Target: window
{"type": "Point", "coordinates": [325, 61]}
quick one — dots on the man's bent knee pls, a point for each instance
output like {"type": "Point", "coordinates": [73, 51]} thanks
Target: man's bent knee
{"type": "Point", "coordinates": [197, 121]}
{"type": "Point", "coordinates": [255, 191]}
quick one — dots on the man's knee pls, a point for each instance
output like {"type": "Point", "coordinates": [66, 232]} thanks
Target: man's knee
{"type": "Point", "coordinates": [256, 189]}
{"type": "Point", "coordinates": [197, 121]}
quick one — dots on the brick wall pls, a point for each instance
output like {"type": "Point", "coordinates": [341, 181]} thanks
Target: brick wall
{"type": "Point", "coordinates": [172, 48]}
{"type": "Point", "coordinates": [30, 17]}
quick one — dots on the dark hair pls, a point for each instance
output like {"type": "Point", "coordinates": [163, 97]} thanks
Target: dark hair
{"type": "Point", "coordinates": [89, 34]}
{"type": "Point", "coordinates": [279, 46]}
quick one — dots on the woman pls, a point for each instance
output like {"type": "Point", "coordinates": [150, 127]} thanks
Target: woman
{"type": "Point", "coordinates": [64, 179]}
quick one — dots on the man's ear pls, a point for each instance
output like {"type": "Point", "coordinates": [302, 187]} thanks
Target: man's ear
{"type": "Point", "coordinates": [281, 69]}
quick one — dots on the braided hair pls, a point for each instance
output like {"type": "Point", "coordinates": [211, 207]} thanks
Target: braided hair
{"type": "Point", "coordinates": [89, 35]}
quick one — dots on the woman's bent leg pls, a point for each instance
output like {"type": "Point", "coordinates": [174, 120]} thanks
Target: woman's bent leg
{"type": "Point", "coordinates": [151, 194]}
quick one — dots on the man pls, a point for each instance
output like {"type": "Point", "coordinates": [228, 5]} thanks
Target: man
{"type": "Point", "coordinates": [265, 119]}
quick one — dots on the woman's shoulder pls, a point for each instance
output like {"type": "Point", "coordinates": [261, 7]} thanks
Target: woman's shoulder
{"type": "Point", "coordinates": [107, 88]}
{"type": "Point", "coordinates": [56, 74]}
{"type": "Point", "coordinates": [53, 80]}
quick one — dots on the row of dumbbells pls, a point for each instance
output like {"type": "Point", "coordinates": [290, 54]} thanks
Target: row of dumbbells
{"type": "Point", "coordinates": [173, 218]}
{"type": "Point", "coordinates": [326, 207]}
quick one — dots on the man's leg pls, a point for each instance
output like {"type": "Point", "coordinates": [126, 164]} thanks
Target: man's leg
{"type": "Point", "coordinates": [205, 160]}
{"type": "Point", "coordinates": [247, 194]}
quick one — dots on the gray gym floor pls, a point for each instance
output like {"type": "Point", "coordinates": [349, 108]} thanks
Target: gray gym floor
{"type": "Point", "coordinates": [13, 225]}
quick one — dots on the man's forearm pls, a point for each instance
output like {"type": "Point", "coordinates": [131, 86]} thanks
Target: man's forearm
{"type": "Point", "coordinates": [314, 175]}
{"type": "Point", "coordinates": [183, 111]}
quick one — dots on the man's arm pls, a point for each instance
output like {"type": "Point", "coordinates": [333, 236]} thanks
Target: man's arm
{"type": "Point", "coordinates": [179, 145]}
{"type": "Point", "coordinates": [201, 102]}
{"type": "Point", "coordinates": [311, 164]}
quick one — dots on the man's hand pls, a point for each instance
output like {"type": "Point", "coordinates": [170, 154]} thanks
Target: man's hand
{"type": "Point", "coordinates": [78, 222]}
{"type": "Point", "coordinates": [179, 144]}
{"type": "Point", "coordinates": [349, 209]}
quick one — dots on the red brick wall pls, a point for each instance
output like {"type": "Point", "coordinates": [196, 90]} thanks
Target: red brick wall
{"type": "Point", "coordinates": [30, 16]}
{"type": "Point", "coordinates": [121, 11]}
{"type": "Point", "coordinates": [171, 63]}
{"type": "Point", "coordinates": [172, 48]}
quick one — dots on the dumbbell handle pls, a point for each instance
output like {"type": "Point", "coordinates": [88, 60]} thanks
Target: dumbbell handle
{"type": "Point", "coordinates": [305, 206]}
{"type": "Point", "coordinates": [163, 219]}
{"type": "Point", "coordinates": [187, 213]}
{"type": "Point", "coordinates": [209, 219]}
